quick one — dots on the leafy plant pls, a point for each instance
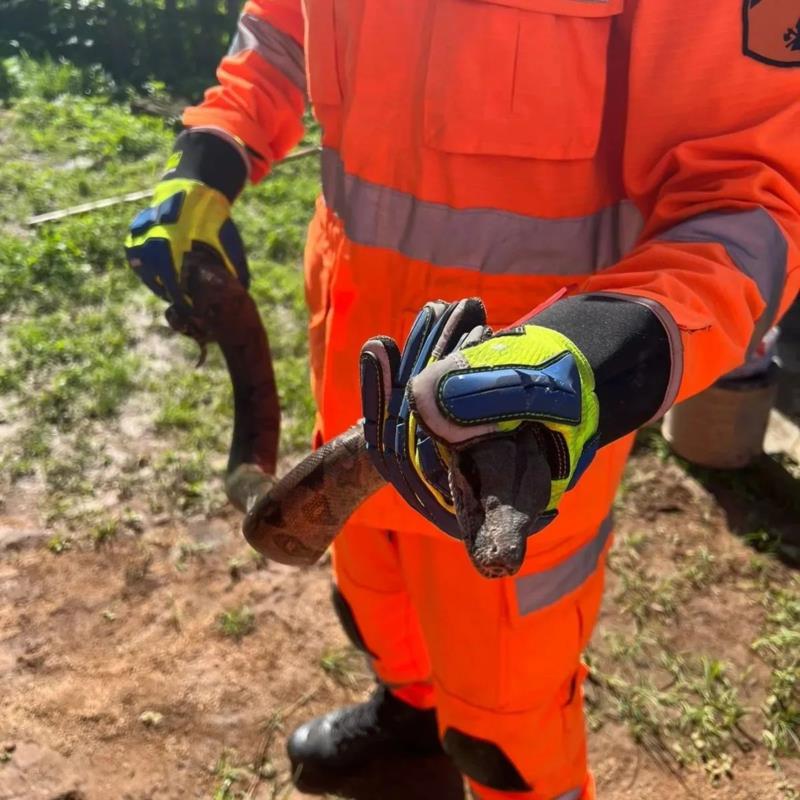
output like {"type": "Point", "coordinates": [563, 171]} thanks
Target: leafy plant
{"type": "Point", "coordinates": [780, 648]}
{"type": "Point", "coordinates": [237, 623]}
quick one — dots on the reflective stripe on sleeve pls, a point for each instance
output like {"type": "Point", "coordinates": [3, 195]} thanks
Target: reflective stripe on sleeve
{"type": "Point", "coordinates": [542, 589]}
{"type": "Point", "coordinates": [274, 46]}
{"type": "Point", "coordinates": [755, 244]}
{"type": "Point", "coordinates": [483, 239]}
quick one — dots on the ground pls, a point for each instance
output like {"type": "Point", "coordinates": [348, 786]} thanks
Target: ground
{"type": "Point", "coordinates": [147, 652]}
{"type": "Point", "coordinates": [124, 678]}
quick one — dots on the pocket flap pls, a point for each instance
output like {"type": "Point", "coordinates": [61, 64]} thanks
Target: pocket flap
{"type": "Point", "coordinates": [571, 8]}
{"type": "Point", "coordinates": [523, 78]}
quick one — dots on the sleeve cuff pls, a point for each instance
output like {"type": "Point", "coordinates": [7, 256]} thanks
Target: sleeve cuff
{"type": "Point", "coordinates": [634, 349]}
{"type": "Point", "coordinates": [213, 157]}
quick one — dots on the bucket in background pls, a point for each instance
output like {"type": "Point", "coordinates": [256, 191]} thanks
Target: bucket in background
{"type": "Point", "coordinates": [724, 426]}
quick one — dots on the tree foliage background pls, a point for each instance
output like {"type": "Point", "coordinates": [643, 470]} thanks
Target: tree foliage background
{"type": "Point", "coordinates": [179, 42]}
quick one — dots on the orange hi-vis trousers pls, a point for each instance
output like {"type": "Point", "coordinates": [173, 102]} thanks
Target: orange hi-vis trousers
{"type": "Point", "coordinates": [498, 659]}
{"type": "Point", "coordinates": [497, 663]}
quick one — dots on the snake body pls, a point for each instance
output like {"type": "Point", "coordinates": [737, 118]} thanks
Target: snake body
{"type": "Point", "coordinates": [499, 485]}
{"type": "Point", "coordinates": [297, 518]}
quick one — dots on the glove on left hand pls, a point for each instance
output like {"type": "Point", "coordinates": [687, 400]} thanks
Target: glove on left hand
{"type": "Point", "coordinates": [190, 215]}
{"type": "Point", "coordinates": [454, 385]}
{"type": "Point", "coordinates": [186, 214]}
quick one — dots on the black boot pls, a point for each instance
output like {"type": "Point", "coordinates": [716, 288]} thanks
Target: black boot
{"type": "Point", "coordinates": [351, 736]}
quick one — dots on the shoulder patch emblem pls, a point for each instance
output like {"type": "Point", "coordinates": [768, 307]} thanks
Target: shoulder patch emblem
{"type": "Point", "coordinates": [772, 31]}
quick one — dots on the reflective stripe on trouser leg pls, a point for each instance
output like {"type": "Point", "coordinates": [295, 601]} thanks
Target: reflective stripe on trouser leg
{"type": "Point", "coordinates": [507, 675]}
{"type": "Point", "coordinates": [369, 579]}
{"type": "Point", "coordinates": [541, 589]}
{"type": "Point", "coordinates": [587, 792]}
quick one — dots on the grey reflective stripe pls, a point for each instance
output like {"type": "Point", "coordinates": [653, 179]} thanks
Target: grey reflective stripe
{"type": "Point", "coordinates": [273, 45]}
{"type": "Point", "coordinates": [755, 244]}
{"type": "Point", "coordinates": [572, 794]}
{"type": "Point", "coordinates": [483, 239]}
{"type": "Point", "coordinates": [542, 589]}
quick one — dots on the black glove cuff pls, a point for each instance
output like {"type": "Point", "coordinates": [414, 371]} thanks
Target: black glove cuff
{"type": "Point", "coordinates": [628, 350]}
{"type": "Point", "coordinates": [210, 159]}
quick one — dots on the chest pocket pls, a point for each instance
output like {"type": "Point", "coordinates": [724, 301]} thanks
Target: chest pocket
{"type": "Point", "coordinates": [520, 78]}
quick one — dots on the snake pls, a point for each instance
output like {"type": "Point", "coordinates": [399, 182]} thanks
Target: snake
{"type": "Point", "coordinates": [499, 484]}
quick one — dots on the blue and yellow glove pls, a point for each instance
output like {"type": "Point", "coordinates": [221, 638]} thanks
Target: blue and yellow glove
{"type": "Point", "coordinates": [401, 450]}
{"type": "Point", "coordinates": [454, 383]}
{"type": "Point", "coordinates": [190, 212]}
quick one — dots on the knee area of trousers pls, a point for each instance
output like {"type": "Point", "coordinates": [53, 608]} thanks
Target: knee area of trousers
{"type": "Point", "coordinates": [483, 761]}
{"type": "Point", "coordinates": [348, 621]}
{"type": "Point", "coordinates": [504, 751]}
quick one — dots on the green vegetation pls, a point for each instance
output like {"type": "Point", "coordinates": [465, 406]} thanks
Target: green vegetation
{"type": "Point", "coordinates": [346, 666]}
{"type": "Point", "coordinates": [133, 40]}
{"type": "Point", "coordinates": [229, 776]}
{"type": "Point", "coordinates": [694, 719]}
{"type": "Point", "coordinates": [104, 532]}
{"type": "Point", "coordinates": [58, 544]}
{"type": "Point", "coordinates": [693, 708]}
{"type": "Point", "coordinates": [236, 623]}
{"type": "Point", "coordinates": [780, 648]}
{"type": "Point", "coordinates": [85, 347]}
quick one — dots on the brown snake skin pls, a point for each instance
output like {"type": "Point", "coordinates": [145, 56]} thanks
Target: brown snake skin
{"type": "Point", "coordinates": [499, 485]}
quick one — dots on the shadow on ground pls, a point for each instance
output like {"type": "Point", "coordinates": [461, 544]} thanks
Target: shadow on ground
{"type": "Point", "coordinates": [432, 778]}
{"type": "Point", "coordinates": [761, 503]}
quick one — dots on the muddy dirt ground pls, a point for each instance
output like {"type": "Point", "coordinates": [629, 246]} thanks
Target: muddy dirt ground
{"type": "Point", "coordinates": [117, 681]}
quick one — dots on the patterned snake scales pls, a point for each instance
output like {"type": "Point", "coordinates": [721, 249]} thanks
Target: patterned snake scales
{"type": "Point", "coordinates": [499, 484]}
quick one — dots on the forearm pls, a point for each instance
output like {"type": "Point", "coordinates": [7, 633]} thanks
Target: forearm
{"type": "Point", "coordinates": [674, 316]}
{"type": "Point", "coordinates": [261, 94]}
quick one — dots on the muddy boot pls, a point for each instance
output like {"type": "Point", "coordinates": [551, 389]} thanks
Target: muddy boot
{"type": "Point", "coordinates": [350, 737]}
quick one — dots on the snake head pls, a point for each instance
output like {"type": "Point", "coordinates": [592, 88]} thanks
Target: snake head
{"type": "Point", "coordinates": [500, 486]}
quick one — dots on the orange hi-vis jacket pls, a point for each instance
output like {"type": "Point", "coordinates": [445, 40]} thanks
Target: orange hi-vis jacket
{"type": "Point", "coordinates": [509, 148]}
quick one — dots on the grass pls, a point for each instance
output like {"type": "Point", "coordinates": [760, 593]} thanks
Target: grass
{"type": "Point", "coordinates": [648, 598]}
{"type": "Point", "coordinates": [58, 544]}
{"type": "Point", "coordinates": [683, 709]}
{"type": "Point", "coordinates": [236, 623]}
{"type": "Point", "coordinates": [695, 708]}
{"type": "Point", "coordinates": [84, 344]}
{"type": "Point", "coordinates": [229, 776]}
{"type": "Point", "coordinates": [104, 532]}
{"type": "Point", "coordinates": [779, 646]}
{"type": "Point", "coordinates": [345, 666]}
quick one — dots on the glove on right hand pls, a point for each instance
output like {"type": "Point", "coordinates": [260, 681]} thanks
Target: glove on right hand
{"type": "Point", "coordinates": [455, 385]}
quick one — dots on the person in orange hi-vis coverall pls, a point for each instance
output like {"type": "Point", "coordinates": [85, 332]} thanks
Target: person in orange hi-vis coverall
{"type": "Point", "coordinates": [643, 156]}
